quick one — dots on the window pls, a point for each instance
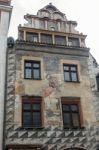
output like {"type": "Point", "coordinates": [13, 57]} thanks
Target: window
{"type": "Point", "coordinates": [31, 112]}
{"type": "Point", "coordinates": [32, 70]}
{"type": "Point", "coordinates": [70, 73]}
{"type": "Point", "coordinates": [60, 40]}
{"type": "Point", "coordinates": [73, 41]}
{"type": "Point", "coordinates": [32, 37]}
{"type": "Point", "coordinates": [71, 114]}
{"type": "Point", "coordinates": [46, 38]}
{"type": "Point", "coordinates": [97, 80]}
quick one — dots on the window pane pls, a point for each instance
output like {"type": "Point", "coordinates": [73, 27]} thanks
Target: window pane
{"type": "Point", "coordinates": [28, 64]}
{"type": "Point", "coordinates": [73, 68]}
{"type": "Point", "coordinates": [26, 119]}
{"type": "Point", "coordinates": [26, 106]}
{"type": "Point", "coordinates": [36, 106]}
{"type": "Point", "coordinates": [66, 76]}
{"type": "Point", "coordinates": [28, 73]}
{"type": "Point", "coordinates": [46, 38]}
{"type": "Point", "coordinates": [36, 74]}
{"type": "Point", "coordinates": [36, 119]}
{"type": "Point", "coordinates": [66, 67]}
{"type": "Point", "coordinates": [33, 37]}
{"type": "Point", "coordinates": [67, 119]}
{"type": "Point", "coordinates": [74, 107]}
{"type": "Point", "coordinates": [74, 76]}
{"type": "Point", "coordinates": [60, 40]}
{"type": "Point", "coordinates": [75, 119]}
{"type": "Point", "coordinates": [73, 41]}
{"type": "Point", "coordinates": [36, 65]}
{"type": "Point", "coordinates": [66, 108]}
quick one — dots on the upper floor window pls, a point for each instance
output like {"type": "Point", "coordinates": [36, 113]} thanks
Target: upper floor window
{"type": "Point", "coordinates": [31, 112]}
{"type": "Point", "coordinates": [32, 70]}
{"type": "Point", "coordinates": [33, 37]}
{"type": "Point", "coordinates": [71, 114]}
{"type": "Point", "coordinates": [46, 38]}
{"type": "Point", "coordinates": [97, 80]}
{"type": "Point", "coordinates": [70, 73]}
{"type": "Point", "coordinates": [60, 40]}
{"type": "Point", "coordinates": [73, 41]}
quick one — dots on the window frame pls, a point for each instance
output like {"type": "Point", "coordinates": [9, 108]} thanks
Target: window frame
{"type": "Point", "coordinates": [71, 41]}
{"type": "Point", "coordinates": [72, 101]}
{"type": "Point", "coordinates": [33, 35]}
{"type": "Point", "coordinates": [47, 41]}
{"type": "Point", "coordinates": [57, 37]}
{"type": "Point", "coordinates": [32, 69]}
{"type": "Point", "coordinates": [32, 100]}
{"type": "Point", "coordinates": [70, 72]}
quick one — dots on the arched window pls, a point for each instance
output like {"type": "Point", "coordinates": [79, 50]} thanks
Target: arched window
{"type": "Point", "coordinates": [97, 80]}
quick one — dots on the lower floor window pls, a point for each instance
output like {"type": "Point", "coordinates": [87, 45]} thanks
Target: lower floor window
{"type": "Point", "coordinates": [31, 112]}
{"type": "Point", "coordinates": [71, 114]}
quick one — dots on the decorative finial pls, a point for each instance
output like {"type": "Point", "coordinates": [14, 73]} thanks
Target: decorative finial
{"type": "Point", "coordinates": [50, 3]}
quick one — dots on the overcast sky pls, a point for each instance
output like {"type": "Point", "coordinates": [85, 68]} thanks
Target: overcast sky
{"type": "Point", "coordinates": [85, 12]}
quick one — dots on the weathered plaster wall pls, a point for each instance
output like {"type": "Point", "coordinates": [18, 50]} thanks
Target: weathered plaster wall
{"type": "Point", "coordinates": [52, 64]}
{"type": "Point", "coordinates": [53, 136]}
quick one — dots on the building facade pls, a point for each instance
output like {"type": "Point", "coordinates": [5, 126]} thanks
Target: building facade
{"type": "Point", "coordinates": [5, 13]}
{"type": "Point", "coordinates": [52, 87]}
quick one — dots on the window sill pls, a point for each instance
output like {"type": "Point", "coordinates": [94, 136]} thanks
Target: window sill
{"type": "Point", "coordinates": [31, 128]}
{"type": "Point", "coordinates": [74, 128]}
{"type": "Point", "coordinates": [72, 81]}
{"type": "Point", "coordinates": [32, 79]}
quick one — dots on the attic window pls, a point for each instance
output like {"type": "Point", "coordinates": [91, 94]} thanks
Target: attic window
{"type": "Point", "coordinates": [52, 28]}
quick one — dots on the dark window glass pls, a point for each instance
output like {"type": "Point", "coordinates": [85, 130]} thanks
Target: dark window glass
{"type": "Point", "coordinates": [71, 116]}
{"type": "Point", "coordinates": [46, 38]}
{"type": "Point", "coordinates": [73, 41]}
{"type": "Point", "coordinates": [36, 119]}
{"type": "Point", "coordinates": [32, 70]}
{"type": "Point", "coordinates": [26, 119]}
{"type": "Point", "coordinates": [97, 80]}
{"type": "Point", "coordinates": [70, 73]}
{"type": "Point", "coordinates": [31, 112]}
{"type": "Point", "coordinates": [60, 40]}
{"type": "Point", "coordinates": [32, 37]}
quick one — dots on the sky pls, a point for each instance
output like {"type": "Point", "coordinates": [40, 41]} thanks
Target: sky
{"type": "Point", "coordinates": [85, 12]}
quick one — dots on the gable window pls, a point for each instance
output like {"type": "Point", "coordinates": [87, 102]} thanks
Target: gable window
{"type": "Point", "coordinates": [70, 73]}
{"type": "Point", "coordinates": [97, 80]}
{"type": "Point", "coordinates": [32, 70]}
{"type": "Point", "coordinates": [31, 112]}
{"type": "Point", "coordinates": [46, 38]}
{"type": "Point", "coordinates": [71, 114]}
{"type": "Point", "coordinates": [60, 40]}
{"type": "Point", "coordinates": [32, 37]}
{"type": "Point", "coordinates": [73, 41]}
